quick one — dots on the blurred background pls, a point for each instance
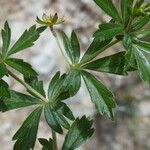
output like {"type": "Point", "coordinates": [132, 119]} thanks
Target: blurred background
{"type": "Point", "coordinates": [131, 130]}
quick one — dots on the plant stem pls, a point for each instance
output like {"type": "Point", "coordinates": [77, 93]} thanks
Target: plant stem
{"type": "Point", "coordinates": [59, 45]}
{"type": "Point", "coordinates": [54, 139]}
{"type": "Point", "coordinates": [98, 52]}
{"type": "Point", "coordinates": [61, 49]}
{"type": "Point", "coordinates": [27, 86]}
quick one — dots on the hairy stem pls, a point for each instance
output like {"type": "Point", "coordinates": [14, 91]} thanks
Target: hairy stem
{"type": "Point", "coordinates": [27, 86]}
{"type": "Point", "coordinates": [61, 49]}
{"type": "Point", "coordinates": [54, 139]}
{"type": "Point", "coordinates": [59, 45]}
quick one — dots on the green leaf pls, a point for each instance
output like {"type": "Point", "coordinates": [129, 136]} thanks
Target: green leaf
{"type": "Point", "coordinates": [35, 84]}
{"type": "Point", "coordinates": [56, 86]}
{"type": "Point", "coordinates": [3, 70]}
{"type": "Point", "coordinates": [136, 58]}
{"type": "Point", "coordinates": [140, 22]}
{"type": "Point", "coordinates": [72, 47]}
{"type": "Point", "coordinates": [143, 64]}
{"type": "Point", "coordinates": [130, 60]}
{"type": "Point", "coordinates": [108, 31]}
{"type": "Point", "coordinates": [26, 135]}
{"type": "Point", "coordinates": [143, 34]}
{"type": "Point", "coordinates": [75, 47]}
{"type": "Point", "coordinates": [55, 118]}
{"type": "Point", "coordinates": [139, 3]}
{"type": "Point", "coordinates": [78, 134]}
{"type": "Point", "coordinates": [4, 90]}
{"type": "Point", "coordinates": [75, 84]}
{"type": "Point", "coordinates": [62, 108]}
{"type": "Point", "coordinates": [26, 40]}
{"type": "Point", "coordinates": [21, 66]}
{"type": "Point", "coordinates": [127, 41]}
{"type": "Point", "coordinates": [6, 37]}
{"type": "Point", "coordinates": [63, 96]}
{"type": "Point", "coordinates": [137, 11]}
{"type": "Point", "coordinates": [17, 100]}
{"type": "Point", "coordinates": [110, 64]}
{"type": "Point", "coordinates": [41, 29]}
{"type": "Point", "coordinates": [108, 7]}
{"type": "Point", "coordinates": [53, 84]}
{"type": "Point", "coordinates": [47, 144]}
{"type": "Point", "coordinates": [144, 46]}
{"type": "Point", "coordinates": [95, 48]}
{"type": "Point", "coordinates": [67, 46]}
{"type": "Point", "coordinates": [100, 95]}
{"type": "Point", "coordinates": [126, 9]}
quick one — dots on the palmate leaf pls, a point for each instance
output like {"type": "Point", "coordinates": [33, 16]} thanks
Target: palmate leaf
{"type": "Point", "coordinates": [127, 41]}
{"type": "Point", "coordinates": [143, 64]}
{"type": "Point", "coordinates": [126, 10]}
{"type": "Point", "coordinates": [67, 46]}
{"type": "Point", "coordinates": [129, 56]}
{"type": "Point", "coordinates": [27, 39]}
{"type": "Point", "coordinates": [61, 88]}
{"type": "Point", "coordinates": [4, 91]}
{"type": "Point", "coordinates": [136, 58]}
{"type": "Point", "coordinates": [72, 47]}
{"type": "Point", "coordinates": [75, 47]}
{"type": "Point", "coordinates": [46, 144]}
{"type": "Point", "coordinates": [140, 22]}
{"type": "Point", "coordinates": [21, 66]}
{"type": "Point", "coordinates": [3, 70]}
{"type": "Point", "coordinates": [16, 100]}
{"type": "Point", "coordinates": [62, 108]}
{"type": "Point", "coordinates": [54, 82]}
{"type": "Point", "coordinates": [72, 82]}
{"type": "Point", "coordinates": [95, 47]}
{"type": "Point", "coordinates": [108, 7]}
{"type": "Point", "coordinates": [6, 37]}
{"type": "Point", "coordinates": [108, 31]}
{"type": "Point", "coordinates": [35, 84]}
{"type": "Point", "coordinates": [130, 60]}
{"type": "Point", "coordinates": [111, 64]}
{"type": "Point", "coordinates": [141, 8]}
{"type": "Point", "coordinates": [55, 116]}
{"type": "Point", "coordinates": [56, 89]}
{"type": "Point", "coordinates": [79, 132]}
{"type": "Point", "coordinates": [100, 95]}
{"type": "Point", "coordinates": [54, 85]}
{"type": "Point", "coordinates": [138, 4]}
{"type": "Point", "coordinates": [142, 34]}
{"type": "Point", "coordinates": [26, 135]}
{"type": "Point", "coordinates": [144, 46]}
{"type": "Point", "coordinates": [55, 120]}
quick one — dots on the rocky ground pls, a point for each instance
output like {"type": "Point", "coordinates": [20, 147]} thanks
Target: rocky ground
{"type": "Point", "coordinates": [131, 129]}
